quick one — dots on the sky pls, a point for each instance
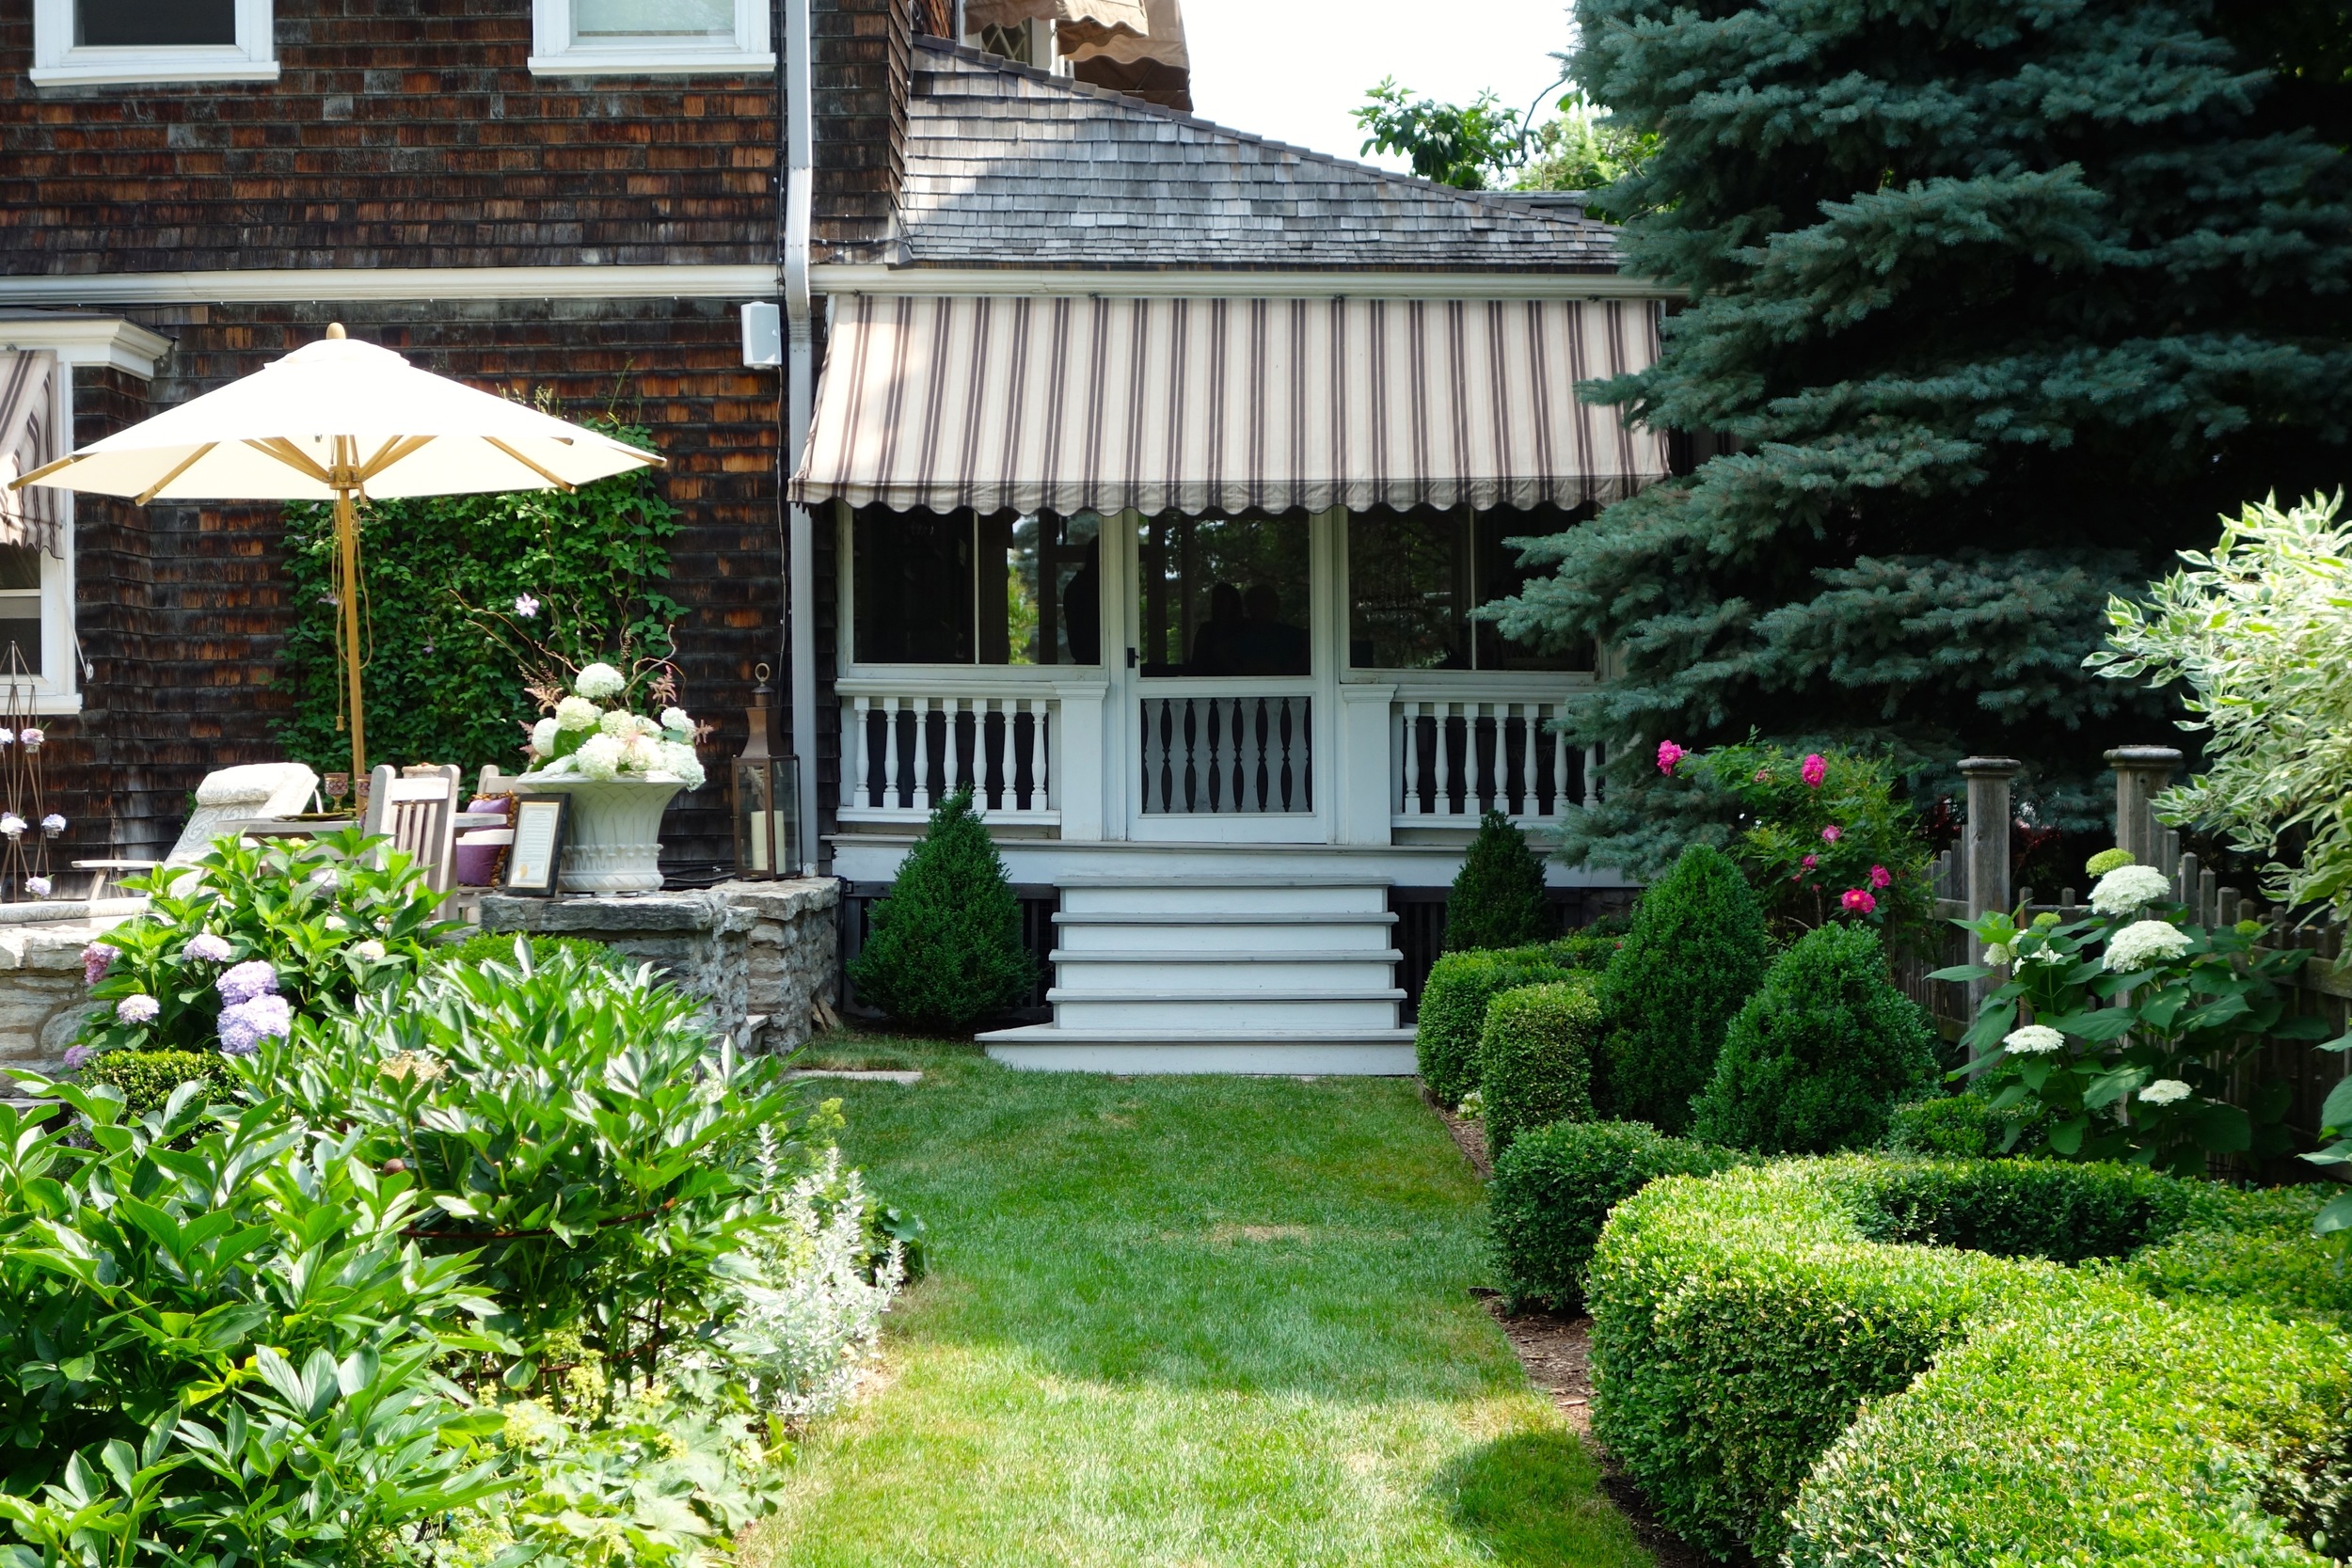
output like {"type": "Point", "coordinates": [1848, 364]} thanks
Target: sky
{"type": "Point", "coordinates": [1292, 70]}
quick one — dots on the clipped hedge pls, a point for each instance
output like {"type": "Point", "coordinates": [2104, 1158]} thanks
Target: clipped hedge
{"type": "Point", "coordinates": [1742, 1321]}
{"type": "Point", "coordinates": [1453, 1010]}
{"type": "Point", "coordinates": [499, 948]}
{"type": "Point", "coordinates": [146, 1079]}
{"type": "Point", "coordinates": [1536, 1058]}
{"type": "Point", "coordinates": [1552, 1192]}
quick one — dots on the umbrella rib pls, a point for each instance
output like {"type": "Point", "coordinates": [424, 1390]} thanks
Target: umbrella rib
{"type": "Point", "coordinates": [181, 467]}
{"type": "Point", "coordinates": [558, 481]}
{"type": "Point", "coordinates": [397, 449]}
{"type": "Point", "coordinates": [291, 455]}
{"type": "Point", "coordinates": [44, 470]}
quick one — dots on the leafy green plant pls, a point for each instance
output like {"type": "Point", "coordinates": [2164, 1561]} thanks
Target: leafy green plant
{"type": "Point", "coordinates": [1496, 899]}
{"type": "Point", "coordinates": [1462, 145]}
{"type": "Point", "coordinates": [439, 682]}
{"type": "Point", "coordinates": [146, 1080]}
{"type": "Point", "coordinates": [1453, 1003]}
{"type": "Point", "coordinates": [945, 950]}
{"type": "Point", "coordinates": [576, 1129]}
{"type": "Point", "coordinates": [499, 948]}
{"type": "Point", "coordinates": [223, 1341]}
{"type": "Point", "coordinates": [1536, 1059]}
{"type": "Point", "coordinates": [1694, 954]}
{"type": "Point", "coordinates": [329, 918]}
{"type": "Point", "coordinates": [2141, 1028]}
{"type": "Point", "coordinates": [1821, 1053]}
{"type": "Point", "coordinates": [1554, 1187]}
{"type": "Point", "coordinates": [1962, 1126]}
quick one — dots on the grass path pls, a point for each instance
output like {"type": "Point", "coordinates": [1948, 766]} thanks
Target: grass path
{"type": "Point", "coordinates": [1183, 1321]}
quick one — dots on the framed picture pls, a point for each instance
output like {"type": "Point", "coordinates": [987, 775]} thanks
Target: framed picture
{"type": "Point", "coordinates": [538, 851]}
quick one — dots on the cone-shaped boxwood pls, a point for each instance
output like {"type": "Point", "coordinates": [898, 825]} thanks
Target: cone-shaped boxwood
{"type": "Point", "coordinates": [1695, 953]}
{"type": "Point", "coordinates": [945, 950]}
{"type": "Point", "coordinates": [1820, 1055]}
{"type": "Point", "coordinates": [1498, 896]}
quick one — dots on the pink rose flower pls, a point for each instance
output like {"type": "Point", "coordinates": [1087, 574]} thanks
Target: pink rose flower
{"type": "Point", "coordinates": [1832, 833]}
{"type": "Point", "coordinates": [1815, 769]}
{"type": "Point", "coordinates": [1881, 876]}
{"type": "Point", "coordinates": [1858, 900]}
{"type": "Point", "coordinates": [1812, 860]}
{"type": "Point", "coordinates": [1668, 754]}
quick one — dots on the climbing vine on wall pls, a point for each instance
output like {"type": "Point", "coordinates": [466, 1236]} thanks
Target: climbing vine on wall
{"type": "Point", "coordinates": [440, 686]}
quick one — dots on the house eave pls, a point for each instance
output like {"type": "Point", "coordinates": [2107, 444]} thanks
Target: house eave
{"type": "Point", "coordinates": [854, 278]}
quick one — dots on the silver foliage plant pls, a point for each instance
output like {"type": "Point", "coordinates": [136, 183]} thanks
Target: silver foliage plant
{"type": "Point", "coordinates": [2259, 633]}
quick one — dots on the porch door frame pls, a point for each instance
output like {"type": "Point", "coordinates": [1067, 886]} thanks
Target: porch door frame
{"type": "Point", "coordinates": [1123, 731]}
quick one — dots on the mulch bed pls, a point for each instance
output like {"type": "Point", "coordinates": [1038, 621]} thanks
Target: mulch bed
{"type": "Point", "coordinates": [1556, 1351]}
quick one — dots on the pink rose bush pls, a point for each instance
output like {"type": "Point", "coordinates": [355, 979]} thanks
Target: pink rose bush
{"type": "Point", "coordinates": [1669, 755]}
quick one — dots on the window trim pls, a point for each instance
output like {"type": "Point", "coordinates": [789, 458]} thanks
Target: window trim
{"type": "Point", "coordinates": [76, 340]}
{"type": "Point", "coordinates": [554, 51]}
{"type": "Point", "coordinates": [58, 61]}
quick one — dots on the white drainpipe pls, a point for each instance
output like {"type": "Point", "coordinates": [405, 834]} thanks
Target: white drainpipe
{"type": "Point", "coordinates": [800, 385]}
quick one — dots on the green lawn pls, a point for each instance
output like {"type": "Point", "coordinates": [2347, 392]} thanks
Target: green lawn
{"type": "Point", "coordinates": [1183, 1321]}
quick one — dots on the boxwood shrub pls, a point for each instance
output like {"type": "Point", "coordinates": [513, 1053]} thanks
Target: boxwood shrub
{"type": "Point", "coordinates": [1694, 955]}
{"type": "Point", "coordinates": [1552, 1192]}
{"type": "Point", "coordinates": [146, 1079]}
{"type": "Point", "coordinates": [1536, 1058]}
{"type": "Point", "coordinates": [1453, 1010]}
{"type": "Point", "coordinates": [1742, 1321]}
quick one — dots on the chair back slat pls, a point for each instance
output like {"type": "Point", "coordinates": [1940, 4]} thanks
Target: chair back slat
{"type": "Point", "coordinates": [418, 811]}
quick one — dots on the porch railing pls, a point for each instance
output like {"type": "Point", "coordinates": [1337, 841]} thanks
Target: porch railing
{"type": "Point", "coordinates": [903, 751]}
{"type": "Point", "coordinates": [1226, 754]}
{"type": "Point", "coordinates": [1458, 757]}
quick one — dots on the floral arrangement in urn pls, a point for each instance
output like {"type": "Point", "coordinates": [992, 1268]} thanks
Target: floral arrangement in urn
{"type": "Point", "coordinates": [594, 733]}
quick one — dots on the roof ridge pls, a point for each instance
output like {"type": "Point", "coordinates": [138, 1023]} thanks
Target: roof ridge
{"type": "Point", "coordinates": [1494, 201]}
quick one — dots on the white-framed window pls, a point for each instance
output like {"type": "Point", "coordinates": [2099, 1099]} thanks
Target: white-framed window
{"type": "Point", "coordinates": [40, 352]}
{"type": "Point", "coordinates": [95, 41]}
{"type": "Point", "coordinates": [645, 37]}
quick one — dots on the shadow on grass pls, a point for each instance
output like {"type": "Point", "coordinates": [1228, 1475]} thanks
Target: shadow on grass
{"type": "Point", "coordinates": [1532, 1500]}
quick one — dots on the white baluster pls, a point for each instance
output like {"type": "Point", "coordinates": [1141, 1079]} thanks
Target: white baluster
{"type": "Point", "coordinates": [856, 742]}
{"type": "Point", "coordinates": [1531, 724]}
{"type": "Point", "coordinates": [1442, 802]}
{"type": "Point", "coordinates": [948, 779]}
{"type": "Point", "coordinates": [1040, 750]}
{"type": "Point", "coordinates": [921, 708]}
{"type": "Point", "coordinates": [1592, 776]}
{"type": "Point", "coordinates": [1411, 770]}
{"type": "Point", "coordinates": [890, 753]}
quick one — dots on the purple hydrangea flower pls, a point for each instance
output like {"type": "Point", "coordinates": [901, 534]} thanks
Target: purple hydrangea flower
{"type": "Point", "coordinates": [77, 1057]}
{"type": "Point", "coordinates": [36, 886]}
{"type": "Point", "coordinates": [243, 1027]}
{"type": "Point", "coordinates": [53, 824]}
{"type": "Point", "coordinates": [137, 1008]}
{"type": "Point", "coordinates": [209, 947]}
{"type": "Point", "coordinates": [96, 960]}
{"type": "Point", "coordinates": [246, 981]}
{"type": "Point", "coordinates": [32, 737]}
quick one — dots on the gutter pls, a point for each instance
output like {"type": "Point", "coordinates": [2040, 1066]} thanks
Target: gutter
{"type": "Point", "coordinates": [793, 78]}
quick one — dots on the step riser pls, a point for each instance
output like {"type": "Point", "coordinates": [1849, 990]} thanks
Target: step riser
{"type": "Point", "coordinates": [1338, 1060]}
{"type": "Point", "coordinates": [1089, 940]}
{"type": "Point", "coordinates": [1267, 1012]}
{"type": "Point", "coordinates": [1223, 900]}
{"type": "Point", "coordinates": [1328, 974]}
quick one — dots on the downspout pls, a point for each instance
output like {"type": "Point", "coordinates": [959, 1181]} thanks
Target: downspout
{"type": "Point", "coordinates": [800, 385]}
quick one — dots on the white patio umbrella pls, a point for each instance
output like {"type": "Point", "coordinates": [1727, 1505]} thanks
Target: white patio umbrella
{"type": "Point", "coordinates": [339, 421]}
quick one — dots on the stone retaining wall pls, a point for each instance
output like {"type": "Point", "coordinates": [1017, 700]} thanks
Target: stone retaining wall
{"type": "Point", "coordinates": [42, 993]}
{"type": "Point", "coordinates": [762, 953]}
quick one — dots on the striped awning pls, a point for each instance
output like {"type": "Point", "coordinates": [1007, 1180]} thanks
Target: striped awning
{"type": "Point", "coordinates": [1098, 404]}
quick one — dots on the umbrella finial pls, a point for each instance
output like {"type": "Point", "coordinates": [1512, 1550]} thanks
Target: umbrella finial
{"type": "Point", "coordinates": [334, 330]}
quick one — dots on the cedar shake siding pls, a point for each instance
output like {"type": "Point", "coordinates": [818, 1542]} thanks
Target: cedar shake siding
{"type": "Point", "coordinates": [183, 609]}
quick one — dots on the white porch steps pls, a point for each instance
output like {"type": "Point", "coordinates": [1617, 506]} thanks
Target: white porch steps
{"type": "Point", "coordinates": [1220, 973]}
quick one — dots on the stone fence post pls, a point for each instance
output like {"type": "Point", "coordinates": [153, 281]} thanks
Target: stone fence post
{"type": "Point", "coordinates": [1985, 846]}
{"type": "Point", "coordinates": [2140, 775]}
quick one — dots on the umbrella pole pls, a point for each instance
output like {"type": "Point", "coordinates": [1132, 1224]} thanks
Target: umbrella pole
{"type": "Point", "coordinates": [347, 543]}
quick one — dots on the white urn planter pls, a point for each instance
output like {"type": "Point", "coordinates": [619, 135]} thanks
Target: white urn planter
{"type": "Point", "coordinates": [613, 833]}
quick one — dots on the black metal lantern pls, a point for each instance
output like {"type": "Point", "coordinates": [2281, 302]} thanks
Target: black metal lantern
{"type": "Point", "coordinates": [767, 800]}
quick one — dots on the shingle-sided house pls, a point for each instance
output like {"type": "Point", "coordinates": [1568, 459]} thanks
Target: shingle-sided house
{"type": "Point", "coordinates": [1153, 470]}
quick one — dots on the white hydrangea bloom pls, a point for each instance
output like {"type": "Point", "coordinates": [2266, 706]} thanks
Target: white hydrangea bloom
{"type": "Point", "coordinates": [576, 712]}
{"type": "Point", "coordinates": [2144, 944]}
{"type": "Point", "coordinates": [618, 723]}
{"type": "Point", "coordinates": [598, 757]}
{"type": "Point", "coordinates": [542, 736]}
{"type": "Point", "coordinates": [682, 761]}
{"type": "Point", "coordinates": [677, 719]}
{"type": "Point", "coordinates": [2034, 1039]}
{"type": "Point", "coordinates": [599, 681]}
{"type": "Point", "coordinates": [1996, 954]}
{"type": "Point", "coordinates": [639, 755]}
{"type": "Point", "coordinates": [2166, 1091]}
{"type": "Point", "coordinates": [2129, 887]}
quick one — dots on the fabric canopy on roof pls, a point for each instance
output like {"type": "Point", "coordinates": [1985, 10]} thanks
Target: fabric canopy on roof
{"type": "Point", "coordinates": [29, 440]}
{"type": "Point", "coordinates": [1092, 20]}
{"type": "Point", "coordinates": [1066, 405]}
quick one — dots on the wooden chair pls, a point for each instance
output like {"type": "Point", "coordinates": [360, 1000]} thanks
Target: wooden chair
{"type": "Point", "coordinates": [418, 811]}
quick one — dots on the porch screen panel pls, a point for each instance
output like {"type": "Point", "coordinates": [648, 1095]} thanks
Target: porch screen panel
{"type": "Point", "coordinates": [1062, 405]}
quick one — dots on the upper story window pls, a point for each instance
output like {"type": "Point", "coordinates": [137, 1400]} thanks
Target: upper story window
{"type": "Point", "coordinates": [639, 37]}
{"type": "Point", "coordinates": [93, 41]}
